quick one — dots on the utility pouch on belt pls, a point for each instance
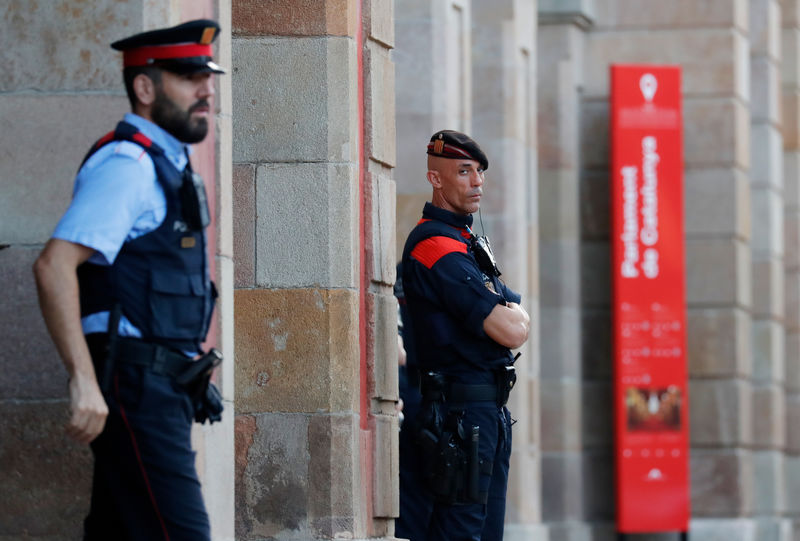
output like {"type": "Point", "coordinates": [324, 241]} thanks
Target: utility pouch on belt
{"type": "Point", "coordinates": [196, 380]}
{"type": "Point", "coordinates": [505, 377]}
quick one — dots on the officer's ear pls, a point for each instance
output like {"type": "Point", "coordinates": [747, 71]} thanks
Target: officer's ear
{"type": "Point", "coordinates": [434, 178]}
{"type": "Point", "coordinates": [145, 89]}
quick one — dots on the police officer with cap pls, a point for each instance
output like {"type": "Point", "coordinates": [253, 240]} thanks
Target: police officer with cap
{"type": "Point", "coordinates": [125, 291]}
{"type": "Point", "coordinates": [465, 322]}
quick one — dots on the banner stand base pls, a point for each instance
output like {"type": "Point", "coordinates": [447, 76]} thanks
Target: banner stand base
{"type": "Point", "coordinates": [684, 536]}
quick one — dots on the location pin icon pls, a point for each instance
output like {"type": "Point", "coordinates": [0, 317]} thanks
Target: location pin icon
{"type": "Point", "coordinates": [648, 85]}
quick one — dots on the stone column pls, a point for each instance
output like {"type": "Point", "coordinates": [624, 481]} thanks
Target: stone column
{"type": "Point", "coordinates": [562, 33]}
{"type": "Point", "coordinates": [434, 89]}
{"type": "Point", "coordinates": [766, 192]}
{"type": "Point", "coordinates": [379, 203]}
{"type": "Point", "coordinates": [316, 337]}
{"type": "Point", "coordinates": [712, 47]}
{"type": "Point", "coordinates": [790, 77]}
{"type": "Point", "coordinates": [503, 39]}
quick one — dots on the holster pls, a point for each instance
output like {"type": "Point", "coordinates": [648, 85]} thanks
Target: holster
{"type": "Point", "coordinates": [505, 377]}
{"type": "Point", "coordinates": [196, 380]}
{"type": "Point", "coordinates": [193, 376]}
{"type": "Point", "coordinates": [451, 469]}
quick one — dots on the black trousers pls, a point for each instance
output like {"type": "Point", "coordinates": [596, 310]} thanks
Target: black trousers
{"type": "Point", "coordinates": [145, 483]}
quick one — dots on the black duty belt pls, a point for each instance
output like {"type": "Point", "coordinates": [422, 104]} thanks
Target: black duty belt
{"type": "Point", "coordinates": [159, 359]}
{"type": "Point", "coordinates": [505, 377]}
{"type": "Point", "coordinates": [462, 392]}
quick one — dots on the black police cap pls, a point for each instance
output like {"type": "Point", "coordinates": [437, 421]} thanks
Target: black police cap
{"type": "Point", "coordinates": [456, 145]}
{"type": "Point", "coordinates": [185, 48]}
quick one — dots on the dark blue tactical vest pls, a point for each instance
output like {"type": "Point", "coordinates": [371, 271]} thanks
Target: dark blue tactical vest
{"type": "Point", "coordinates": [160, 279]}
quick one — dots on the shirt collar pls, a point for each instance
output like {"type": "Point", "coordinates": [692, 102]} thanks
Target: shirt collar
{"type": "Point", "coordinates": [174, 150]}
{"type": "Point", "coordinates": [433, 212]}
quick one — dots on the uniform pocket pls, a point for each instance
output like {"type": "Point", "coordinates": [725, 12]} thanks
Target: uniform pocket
{"type": "Point", "coordinates": [177, 304]}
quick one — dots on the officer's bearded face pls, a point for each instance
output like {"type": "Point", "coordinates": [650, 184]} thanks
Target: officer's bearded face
{"type": "Point", "coordinates": [180, 113]}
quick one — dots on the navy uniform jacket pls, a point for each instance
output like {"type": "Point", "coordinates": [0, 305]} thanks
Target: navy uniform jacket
{"type": "Point", "coordinates": [449, 297]}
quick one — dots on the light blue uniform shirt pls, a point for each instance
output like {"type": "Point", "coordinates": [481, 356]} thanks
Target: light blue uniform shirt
{"type": "Point", "coordinates": [117, 198]}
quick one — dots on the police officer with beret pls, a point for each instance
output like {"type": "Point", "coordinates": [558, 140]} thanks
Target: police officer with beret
{"type": "Point", "coordinates": [465, 323]}
{"type": "Point", "coordinates": [125, 291]}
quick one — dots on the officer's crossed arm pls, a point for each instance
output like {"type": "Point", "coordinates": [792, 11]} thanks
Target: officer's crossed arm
{"type": "Point", "coordinates": [57, 282]}
{"type": "Point", "coordinates": [508, 325]}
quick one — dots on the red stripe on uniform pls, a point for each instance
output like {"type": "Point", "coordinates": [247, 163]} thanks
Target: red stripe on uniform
{"type": "Point", "coordinates": [432, 249]}
{"type": "Point", "coordinates": [142, 139]}
{"type": "Point", "coordinates": [105, 139]}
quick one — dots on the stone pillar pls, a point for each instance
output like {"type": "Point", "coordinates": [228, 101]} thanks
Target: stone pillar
{"type": "Point", "coordinates": [434, 89]}
{"type": "Point", "coordinates": [562, 30]}
{"type": "Point", "coordinates": [790, 77]}
{"type": "Point", "coordinates": [503, 50]}
{"type": "Point", "coordinates": [378, 272]}
{"type": "Point", "coordinates": [712, 47]}
{"type": "Point", "coordinates": [766, 192]}
{"type": "Point", "coordinates": [315, 322]}
{"type": "Point", "coordinates": [62, 90]}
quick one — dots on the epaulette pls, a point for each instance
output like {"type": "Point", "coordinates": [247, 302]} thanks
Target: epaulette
{"type": "Point", "coordinates": [124, 132]}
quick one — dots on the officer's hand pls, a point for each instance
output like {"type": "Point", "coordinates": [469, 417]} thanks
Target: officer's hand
{"type": "Point", "coordinates": [88, 409]}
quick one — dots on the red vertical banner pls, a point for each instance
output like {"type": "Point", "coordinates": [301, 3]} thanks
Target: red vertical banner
{"type": "Point", "coordinates": [649, 309]}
